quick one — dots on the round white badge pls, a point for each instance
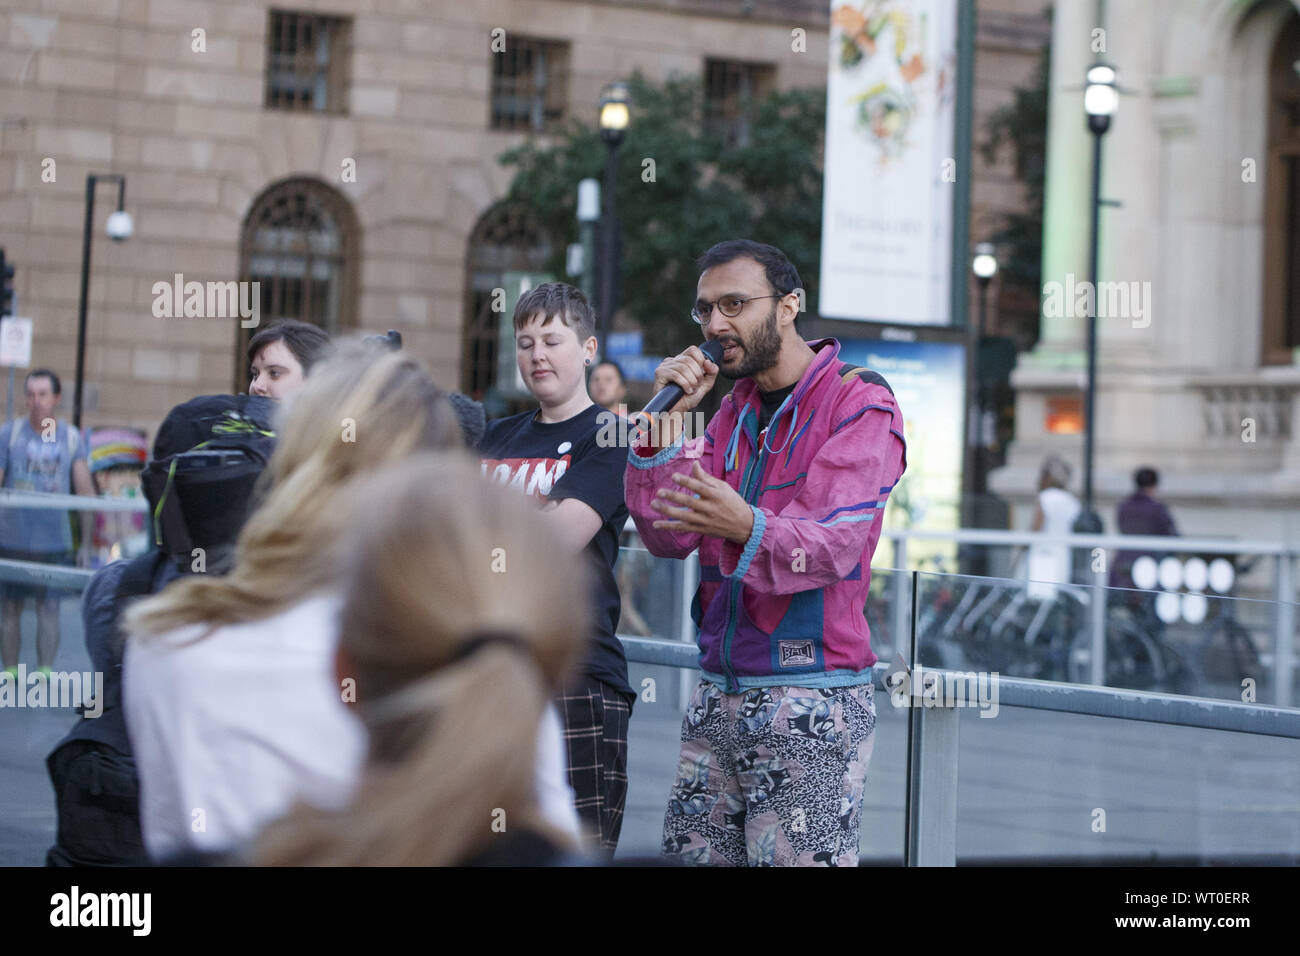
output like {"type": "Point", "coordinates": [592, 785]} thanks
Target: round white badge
{"type": "Point", "coordinates": [565, 446]}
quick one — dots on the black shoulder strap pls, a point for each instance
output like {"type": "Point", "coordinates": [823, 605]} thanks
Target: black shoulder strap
{"type": "Point", "coordinates": [848, 370]}
{"type": "Point", "coordinates": [137, 577]}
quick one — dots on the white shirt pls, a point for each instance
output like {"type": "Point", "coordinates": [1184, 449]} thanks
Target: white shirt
{"type": "Point", "coordinates": [555, 798]}
{"type": "Point", "coordinates": [1050, 563]}
{"type": "Point", "coordinates": [229, 730]}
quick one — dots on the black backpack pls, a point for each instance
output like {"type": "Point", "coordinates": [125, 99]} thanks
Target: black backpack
{"type": "Point", "coordinates": [208, 456]}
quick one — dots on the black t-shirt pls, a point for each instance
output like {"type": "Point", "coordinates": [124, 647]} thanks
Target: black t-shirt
{"type": "Point", "coordinates": [771, 401]}
{"type": "Point", "coordinates": [558, 460]}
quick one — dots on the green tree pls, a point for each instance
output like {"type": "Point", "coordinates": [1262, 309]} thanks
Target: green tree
{"type": "Point", "coordinates": [1022, 126]}
{"type": "Point", "coordinates": [768, 188]}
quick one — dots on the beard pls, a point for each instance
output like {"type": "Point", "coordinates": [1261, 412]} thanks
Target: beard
{"type": "Point", "coordinates": [759, 353]}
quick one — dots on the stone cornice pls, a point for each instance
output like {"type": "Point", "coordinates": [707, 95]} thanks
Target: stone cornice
{"type": "Point", "coordinates": [810, 14]}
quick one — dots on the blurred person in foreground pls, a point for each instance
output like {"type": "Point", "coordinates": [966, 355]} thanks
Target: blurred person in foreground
{"type": "Point", "coordinates": [281, 356]}
{"type": "Point", "coordinates": [43, 454]}
{"type": "Point", "coordinates": [232, 704]}
{"type": "Point", "coordinates": [454, 667]}
{"type": "Point", "coordinates": [783, 498]}
{"type": "Point", "coordinates": [92, 769]}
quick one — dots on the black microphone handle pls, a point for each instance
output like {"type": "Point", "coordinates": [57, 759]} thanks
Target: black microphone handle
{"type": "Point", "coordinates": [672, 393]}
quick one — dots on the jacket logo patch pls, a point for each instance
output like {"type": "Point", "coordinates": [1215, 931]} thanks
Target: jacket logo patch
{"type": "Point", "coordinates": [796, 653]}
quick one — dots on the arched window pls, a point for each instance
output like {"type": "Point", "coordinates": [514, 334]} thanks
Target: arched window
{"type": "Point", "coordinates": [502, 245]}
{"type": "Point", "coordinates": [1282, 203]}
{"type": "Point", "coordinates": [301, 243]}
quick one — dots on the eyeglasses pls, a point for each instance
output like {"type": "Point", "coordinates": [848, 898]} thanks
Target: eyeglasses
{"type": "Point", "coordinates": [729, 305]}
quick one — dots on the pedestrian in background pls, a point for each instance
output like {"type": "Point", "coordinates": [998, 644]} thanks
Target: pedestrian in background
{"type": "Point", "coordinates": [1140, 513]}
{"type": "Point", "coordinates": [44, 454]}
{"type": "Point", "coordinates": [1055, 511]}
{"type": "Point", "coordinates": [608, 387]}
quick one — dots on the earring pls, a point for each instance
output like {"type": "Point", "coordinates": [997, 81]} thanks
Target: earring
{"type": "Point", "coordinates": [588, 362]}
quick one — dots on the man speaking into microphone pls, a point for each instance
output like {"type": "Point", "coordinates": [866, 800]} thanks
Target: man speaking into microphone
{"type": "Point", "coordinates": [783, 497]}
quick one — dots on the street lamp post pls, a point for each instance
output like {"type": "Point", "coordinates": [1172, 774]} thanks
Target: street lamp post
{"type": "Point", "coordinates": [588, 216]}
{"type": "Point", "coordinates": [614, 100]}
{"type": "Point", "coordinates": [1100, 100]}
{"type": "Point", "coordinates": [985, 267]}
{"type": "Point", "coordinates": [118, 227]}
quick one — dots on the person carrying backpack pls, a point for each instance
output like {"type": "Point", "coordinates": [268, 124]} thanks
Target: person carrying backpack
{"type": "Point", "coordinates": [207, 456]}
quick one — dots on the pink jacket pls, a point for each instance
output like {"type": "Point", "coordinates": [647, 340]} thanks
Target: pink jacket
{"type": "Point", "coordinates": [787, 607]}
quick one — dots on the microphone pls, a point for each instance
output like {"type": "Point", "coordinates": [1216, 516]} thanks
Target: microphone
{"type": "Point", "coordinates": [672, 393]}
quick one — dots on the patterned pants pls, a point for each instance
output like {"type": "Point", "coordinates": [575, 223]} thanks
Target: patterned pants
{"type": "Point", "coordinates": [595, 719]}
{"type": "Point", "coordinates": [771, 777]}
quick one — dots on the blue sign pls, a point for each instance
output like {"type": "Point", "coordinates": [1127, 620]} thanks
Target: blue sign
{"type": "Point", "coordinates": [619, 344]}
{"type": "Point", "coordinates": [640, 368]}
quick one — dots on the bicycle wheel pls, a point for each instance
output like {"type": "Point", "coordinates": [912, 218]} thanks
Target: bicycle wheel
{"type": "Point", "coordinates": [1245, 657]}
{"type": "Point", "coordinates": [1133, 660]}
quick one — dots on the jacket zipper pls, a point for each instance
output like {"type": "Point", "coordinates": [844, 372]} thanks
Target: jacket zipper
{"type": "Point", "coordinates": [749, 495]}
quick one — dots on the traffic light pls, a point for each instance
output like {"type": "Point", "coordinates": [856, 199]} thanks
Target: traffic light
{"type": "Point", "coordinates": [6, 286]}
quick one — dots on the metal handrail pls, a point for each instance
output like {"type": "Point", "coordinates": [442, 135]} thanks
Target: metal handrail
{"type": "Point", "coordinates": [1081, 699]}
{"type": "Point", "coordinates": [1124, 542]}
{"type": "Point", "coordinates": [45, 501]}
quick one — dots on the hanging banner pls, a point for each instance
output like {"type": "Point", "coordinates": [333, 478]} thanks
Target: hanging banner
{"type": "Point", "coordinates": [889, 169]}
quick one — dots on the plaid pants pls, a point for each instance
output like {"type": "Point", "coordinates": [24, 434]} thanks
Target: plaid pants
{"type": "Point", "coordinates": [595, 740]}
{"type": "Point", "coordinates": [772, 776]}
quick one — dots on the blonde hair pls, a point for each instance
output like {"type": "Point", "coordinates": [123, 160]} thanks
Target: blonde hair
{"type": "Point", "coordinates": [358, 410]}
{"type": "Point", "coordinates": [452, 719]}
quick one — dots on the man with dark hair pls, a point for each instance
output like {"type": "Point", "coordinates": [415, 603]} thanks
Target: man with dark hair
{"type": "Point", "coordinates": [45, 454]}
{"type": "Point", "coordinates": [554, 455]}
{"type": "Point", "coordinates": [1140, 513]}
{"type": "Point", "coordinates": [280, 357]}
{"type": "Point", "coordinates": [782, 497]}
